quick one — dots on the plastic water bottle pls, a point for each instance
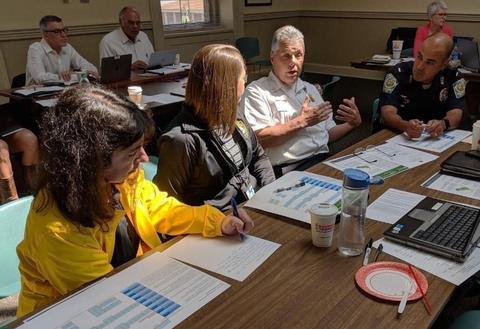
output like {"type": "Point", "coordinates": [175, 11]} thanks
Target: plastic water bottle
{"type": "Point", "coordinates": [83, 77]}
{"type": "Point", "coordinates": [351, 241]}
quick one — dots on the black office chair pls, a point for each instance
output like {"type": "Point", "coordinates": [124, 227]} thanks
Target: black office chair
{"type": "Point", "coordinates": [18, 81]}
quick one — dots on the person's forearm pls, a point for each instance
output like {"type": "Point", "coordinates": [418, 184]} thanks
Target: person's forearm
{"type": "Point", "coordinates": [278, 134]}
{"type": "Point", "coordinates": [339, 131]}
{"type": "Point", "coordinates": [454, 117]}
{"type": "Point", "coordinates": [394, 121]}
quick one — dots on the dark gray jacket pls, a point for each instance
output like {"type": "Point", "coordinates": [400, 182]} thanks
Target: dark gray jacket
{"type": "Point", "coordinates": [193, 167]}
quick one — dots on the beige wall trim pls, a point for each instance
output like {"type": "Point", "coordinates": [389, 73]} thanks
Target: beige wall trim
{"type": "Point", "coordinates": [344, 71]}
{"type": "Point", "coordinates": [194, 33]}
{"type": "Point", "coordinates": [72, 30]}
{"type": "Point", "coordinates": [357, 14]}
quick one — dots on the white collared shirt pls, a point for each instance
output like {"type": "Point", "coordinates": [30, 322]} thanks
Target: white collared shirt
{"type": "Point", "coordinates": [45, 64]}
{"type": "Point", "coordinates": [268, 102]}
{"type": "Point", "coordinates": [117, 43]}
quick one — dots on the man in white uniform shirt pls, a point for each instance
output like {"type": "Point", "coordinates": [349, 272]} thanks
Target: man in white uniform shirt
{"type": "Point", "coordinates": [128, 39]}
{"type": "Point", "coordinates": [53, 58]}
{"type": "Point", "coordinates": [292, 121]}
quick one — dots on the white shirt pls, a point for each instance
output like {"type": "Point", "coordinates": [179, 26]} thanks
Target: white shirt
{"type": "Point", "coordinates": [268, 102]}
{"type": "Point", "coordinates": [117, 43]}
{"type": "Point", "coordinates": [45, 64]}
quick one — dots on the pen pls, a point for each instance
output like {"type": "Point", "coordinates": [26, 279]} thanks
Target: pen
{"type": "Point", "coordinates": [233, 203]}
{"type": "Point", "coordinates": [281, 189]}
{"type": "Point", "coordinates": [379, 251]}
{"type": "Point", "coordinates": [368, 250]}
{"type": "Point", "coordinates": [424, 297]}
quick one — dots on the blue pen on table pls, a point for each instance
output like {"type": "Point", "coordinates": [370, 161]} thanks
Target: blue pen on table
{"type": "Point", "coordinates": [288, 188]}
{"type": "Point", "coordinates": [233, 203]}
{"type": "Point", "coordinates": [368, 250]}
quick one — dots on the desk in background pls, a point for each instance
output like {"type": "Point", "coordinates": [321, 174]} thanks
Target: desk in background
{"type": "Point", "coordinates": [308, 287]}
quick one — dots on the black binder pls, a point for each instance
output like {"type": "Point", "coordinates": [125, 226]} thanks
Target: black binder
{"type": "Point", "coordinates": [463, 165]}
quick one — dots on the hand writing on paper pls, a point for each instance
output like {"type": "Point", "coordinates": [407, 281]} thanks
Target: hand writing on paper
{"type": "Point", "coordinates": [435, 127]}
{"type": "Point", "coordinates": [414, 128]}
{"type": "Point", "coordinates": [232, 225]}
{"type": "Point", "coordinates": [65, 76]}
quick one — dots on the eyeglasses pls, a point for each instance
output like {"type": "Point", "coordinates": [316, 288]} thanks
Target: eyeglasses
{"type": "Point", "coordinates": [364, 152]}
{"type": "Point", "coordinates": [441, 14]}
{"type": "Point", "coordinates": [58, 31]}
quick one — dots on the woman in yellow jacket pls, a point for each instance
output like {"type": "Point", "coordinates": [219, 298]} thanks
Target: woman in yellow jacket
{"type": "Point", "coordinates": [93, 209]}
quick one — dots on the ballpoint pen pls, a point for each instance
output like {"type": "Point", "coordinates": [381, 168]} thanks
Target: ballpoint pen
{"type": "Point", "coordinates": [233, 203]}
{"type": "Point", "coordinates": [368, 250]}
{"type": "Point", "coordinates": [379, 251]}
{"type": "Point", "coordinates": [288, 188]}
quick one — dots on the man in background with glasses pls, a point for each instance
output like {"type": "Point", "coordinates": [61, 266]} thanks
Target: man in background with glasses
{"type": "Point", "coordinates": [52, 58]}
{"type": "Point", "coordinates": [425, 95]}
{"type": "Point", "coordinates": [128, 39]}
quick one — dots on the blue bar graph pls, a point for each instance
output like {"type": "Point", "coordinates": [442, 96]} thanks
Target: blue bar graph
{"type": "Point", "coordinates": [151, 299]}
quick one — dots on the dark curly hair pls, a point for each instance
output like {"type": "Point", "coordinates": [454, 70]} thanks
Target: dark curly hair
{"type": "Point", "coordinates": [79, 135]}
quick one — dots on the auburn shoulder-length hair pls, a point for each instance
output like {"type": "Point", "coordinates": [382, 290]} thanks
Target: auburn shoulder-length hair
{"type": "Point", "coordinates": [79, 135]}
{"type": "Point", "coordinates": [212, 85]}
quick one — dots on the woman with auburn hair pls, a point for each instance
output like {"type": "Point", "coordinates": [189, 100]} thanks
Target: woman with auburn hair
{"type": "Point", "coordinates": [93, 209]}
{"type": "Point", "coordinates": [210, 154]}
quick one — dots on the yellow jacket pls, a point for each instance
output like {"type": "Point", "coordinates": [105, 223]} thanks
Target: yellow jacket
{"type": "Point", "coordinates": [57, 256]}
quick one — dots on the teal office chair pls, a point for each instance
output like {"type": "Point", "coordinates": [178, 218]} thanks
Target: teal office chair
{"type": "Point", "coordinates": [468, 320]}
{"type": "Point", "coordinates": [150, 168]}
{"type": "Point", "coordinates": [13, 216]}
{"type": "Point", "coordinates": [249, 48]}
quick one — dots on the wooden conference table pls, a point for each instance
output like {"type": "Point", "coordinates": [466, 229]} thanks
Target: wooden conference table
{"type": "Point", "coordinates": [301, 286]}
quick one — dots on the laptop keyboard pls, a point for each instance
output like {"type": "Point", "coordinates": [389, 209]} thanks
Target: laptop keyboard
{"type": "Point", "coordinates": [452, 229]}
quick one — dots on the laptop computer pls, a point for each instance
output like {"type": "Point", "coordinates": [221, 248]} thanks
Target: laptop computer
{"type": "Point", "coordinates": [162, 58]}
{"type": "Point", "coordinates": [115, 69]}
{"type": "Point", "coordinates": [440, 227]}
{"type": "Point", "coordinates": [469, 55]}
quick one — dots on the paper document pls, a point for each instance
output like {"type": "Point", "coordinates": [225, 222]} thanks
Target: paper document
{"type": "Point", "coordinates": [156, 292]}
{"type": "Point", "coordinates": [393, 205]}
{"type": "Point", "coordinates": [162, 99]}
{"type": "Point", "coordinates": [293, 194]}
{"type": "Point", "coordinates": [38, 90]}
{"type": "Point", "coordinates": [384, 160]}
{"type": "Point", "coordinates": [454, 185]}
{"type": "Point", "coordinates": [49, 102]}
{"type": "Point", "coordinates": [167, 70]}
{"type": "Point", "coordinates": [445, 269]}
{"type": "Point", "coordinates": [438, 145]}
{"type": "Point", "coordinates": [228, 256]}
{"type": "Point", "coordinates": [468, 140]}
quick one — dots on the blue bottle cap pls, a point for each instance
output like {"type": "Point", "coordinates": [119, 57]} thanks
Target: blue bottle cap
{"type": "Point", "coordinates": [355, 178]}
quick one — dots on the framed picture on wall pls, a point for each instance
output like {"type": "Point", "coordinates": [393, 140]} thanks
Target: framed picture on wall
{"type": "Point", "coordinates": [258, 2]}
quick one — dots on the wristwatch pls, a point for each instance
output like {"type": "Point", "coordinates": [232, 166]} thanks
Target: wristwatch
{"type": "Point", "coordinates": [447, 123]}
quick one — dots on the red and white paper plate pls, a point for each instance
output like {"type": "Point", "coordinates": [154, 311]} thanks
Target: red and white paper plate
{"type": "Point", "coordinates": [386, 280]}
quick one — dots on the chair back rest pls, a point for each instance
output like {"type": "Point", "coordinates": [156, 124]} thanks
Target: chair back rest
{"type": "Point", "coordinates": [248, 47]}
{"type": "Point", "coordinates": [149, 169]}
{"type": "Point", "coordinates": [13, 216]}
{"type": "Point", "coordinates": [376, 124]}
{"type": "Point", "coordinates": [19, 80]}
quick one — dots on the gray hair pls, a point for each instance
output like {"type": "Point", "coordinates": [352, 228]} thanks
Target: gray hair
{"type": "Point", "coordinates": [125, 10]}
{"type": "Point", "coordinates": [435, 6]}
{"type": "Point", "coordinates": [287, 32]}
{"type": "Point", "coordinates": [43, 24]}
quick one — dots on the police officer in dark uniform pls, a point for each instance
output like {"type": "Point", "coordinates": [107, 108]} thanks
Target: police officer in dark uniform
{"type": "Point", "coordinates": [425, 94]}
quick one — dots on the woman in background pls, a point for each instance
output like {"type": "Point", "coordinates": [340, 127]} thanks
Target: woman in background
{"type": "Point", "coordinates": [437, 15]}
{"type": "Point", "coordinates": [93, 209]}
{"type": "Point", "coordinates": [210, 154]}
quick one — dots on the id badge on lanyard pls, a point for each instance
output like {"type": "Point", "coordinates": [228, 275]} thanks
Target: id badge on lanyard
{"type": "Point", "coordinates": [248, 190]}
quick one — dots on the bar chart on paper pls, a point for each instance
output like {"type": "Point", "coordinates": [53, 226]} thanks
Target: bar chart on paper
{"type": "Point", "coordinates": [293, 194]}
{"type": "Point", "coordinates": [157, 292]}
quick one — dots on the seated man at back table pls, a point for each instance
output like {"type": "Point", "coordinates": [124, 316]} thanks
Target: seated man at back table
{"type": "Point", "coordinates": [128, 39]}
{"type": "Point", "coordinates": [425, 94]}
{"type": "Point", "coordinates": [52, 58]}
{"type": "Point", "coordinates": [292, 121]}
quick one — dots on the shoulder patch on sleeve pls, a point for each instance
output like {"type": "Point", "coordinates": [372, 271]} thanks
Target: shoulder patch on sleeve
{"type": "Point", "coordinates": [459, 88]}
{"type": "Point", "coordinates": [390, 83]}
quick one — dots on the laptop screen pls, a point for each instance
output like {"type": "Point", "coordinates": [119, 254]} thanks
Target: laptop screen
{"type": "Point", "coordinates": [469, 55]}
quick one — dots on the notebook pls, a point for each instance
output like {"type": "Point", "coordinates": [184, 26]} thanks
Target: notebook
{"type": "Point", "coordinates": [116, 68]}
{"type": "Point", "coordinates": [440, 227]}
{"type": "Point", "coordinates": [469, 56]}
{"type": "Point", "coordinates": [162, 58]}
